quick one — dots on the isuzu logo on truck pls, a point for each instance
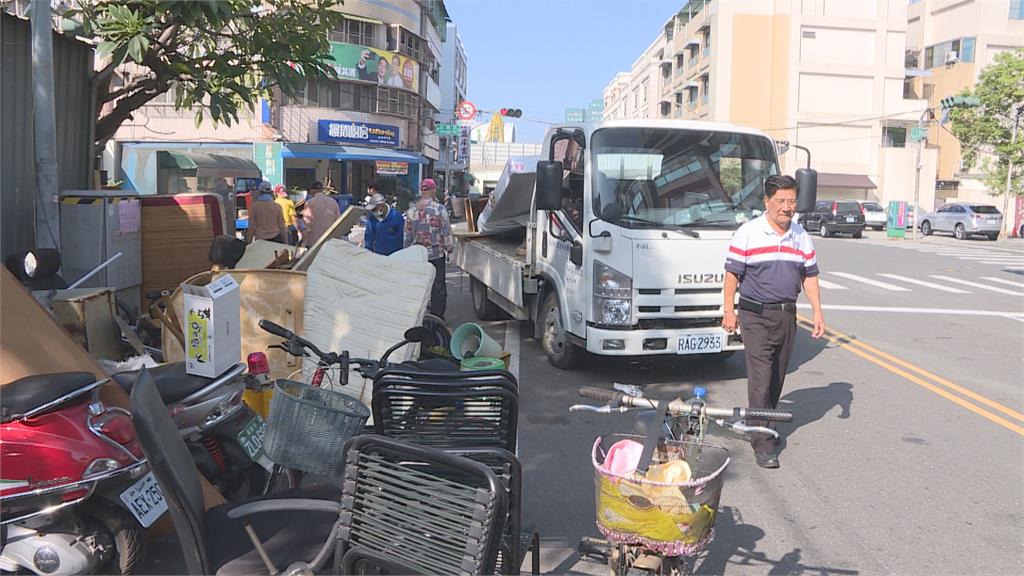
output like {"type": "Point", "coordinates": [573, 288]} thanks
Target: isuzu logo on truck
{"type": "Point", "coordinates": [701, 278]}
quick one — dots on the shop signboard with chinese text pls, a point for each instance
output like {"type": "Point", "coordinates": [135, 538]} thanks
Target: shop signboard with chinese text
{"type": "Point", "coordinates": [392, 168]}
{"type": "Point", "coordinates": [349, 132]}
{"type": "Point", "coordinates": [464, 138]}
{"type": "Point", "coordinates": [354, 62]}
{"type": "Point", "coordinates": [267, 155]}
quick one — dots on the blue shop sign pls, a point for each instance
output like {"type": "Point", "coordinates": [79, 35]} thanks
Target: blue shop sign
{"type": "Point", "coordinates": [346, 132]}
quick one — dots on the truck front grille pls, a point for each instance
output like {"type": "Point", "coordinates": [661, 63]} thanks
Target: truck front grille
{"type": "Point", "coordinates": [693, 305]}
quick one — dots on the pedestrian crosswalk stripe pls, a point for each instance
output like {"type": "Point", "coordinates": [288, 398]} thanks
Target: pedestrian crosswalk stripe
{"type": "Point", "coordinates": [1003, 281]}
{"type": "Point", "coordinates": [830, 285]}
{"type": "Point", "coordinates": [926, 283]}
{"type": "Point", "coordinates": [977, 285]}
{"type": "Point", "coordinates": [977, 254]}
{"type": "Point", "coordinates": [885, 285]}
{"type": "Point", "coordinates": [1001, 262]}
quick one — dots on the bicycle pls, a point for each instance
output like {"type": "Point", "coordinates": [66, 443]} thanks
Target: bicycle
{"type": "Point", "coordinates": [658, 514]}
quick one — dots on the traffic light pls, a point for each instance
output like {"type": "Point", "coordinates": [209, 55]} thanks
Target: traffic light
{"type": "Point", "coordinates": [511, 112]}
{"type": "Point", "coordinates": [959, 102]}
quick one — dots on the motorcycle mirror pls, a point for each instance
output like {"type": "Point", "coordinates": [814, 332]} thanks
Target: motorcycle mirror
{"type": "Point", "coordinates": [419, 334]}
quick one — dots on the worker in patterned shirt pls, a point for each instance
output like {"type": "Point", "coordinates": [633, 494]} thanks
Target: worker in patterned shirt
{"type": "Point", "coordinates": [427, 224]}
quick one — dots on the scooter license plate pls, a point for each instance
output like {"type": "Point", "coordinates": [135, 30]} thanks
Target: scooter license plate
{"type": "Point", "coordinates": [251, 436]}
{"type": "Point", "coordinates": [700, 343]}
{"type": "Point", "coordinates": [145, 500]}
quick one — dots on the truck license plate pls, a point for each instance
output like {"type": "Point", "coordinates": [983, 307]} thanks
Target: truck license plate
{"type": "Point", "coordinates": [251, 436]}
{"type": "Point", "coordinates": [700, 343]}
{"type": "Point", "coordinates": [145, 500]}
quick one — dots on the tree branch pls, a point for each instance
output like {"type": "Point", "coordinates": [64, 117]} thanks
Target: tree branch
{"type": "Point", "coordinates": [107, 126]}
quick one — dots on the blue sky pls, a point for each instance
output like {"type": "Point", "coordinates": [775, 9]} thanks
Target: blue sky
{"type": "Point", "coordinates": [545, 55]}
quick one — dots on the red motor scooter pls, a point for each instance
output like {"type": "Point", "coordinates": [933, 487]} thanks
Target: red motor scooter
{"type": "Point", "coordinates": [75, 492]}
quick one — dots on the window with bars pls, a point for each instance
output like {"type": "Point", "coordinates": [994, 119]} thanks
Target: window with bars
{"type": "Point", "coordinates": [356, 32]}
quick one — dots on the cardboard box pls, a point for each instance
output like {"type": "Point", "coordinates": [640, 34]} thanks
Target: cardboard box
{"type": "Point", "coordinates": [212, 326]}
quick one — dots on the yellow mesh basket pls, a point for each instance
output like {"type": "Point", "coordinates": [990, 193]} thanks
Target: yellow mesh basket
{"type": "Point", "coordinates": [675, 519]}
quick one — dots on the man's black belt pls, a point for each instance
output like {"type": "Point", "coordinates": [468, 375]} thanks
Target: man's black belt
{"type": "Point", "coordinates": [759, 307]}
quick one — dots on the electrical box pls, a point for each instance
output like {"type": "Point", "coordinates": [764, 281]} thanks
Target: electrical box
{"type": "Point", "coordinates": [94, 226]}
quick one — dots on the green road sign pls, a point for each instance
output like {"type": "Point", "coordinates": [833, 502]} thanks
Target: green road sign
{"type": "Point", "coordinates": [447, 129]}
{"type": "Point", "coordinates": [917, 134]}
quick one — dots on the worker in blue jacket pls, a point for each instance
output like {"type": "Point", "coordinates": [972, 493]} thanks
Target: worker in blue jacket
{"type": "Point", "coordinates": [384, 227]}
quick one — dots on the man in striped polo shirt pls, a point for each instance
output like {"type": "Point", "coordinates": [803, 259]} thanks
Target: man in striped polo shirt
{"type": "Point", "coordinates": [770, 258]}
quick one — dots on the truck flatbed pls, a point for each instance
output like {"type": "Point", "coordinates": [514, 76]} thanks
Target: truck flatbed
{"type": "Point", "coordinates": [499, 261]}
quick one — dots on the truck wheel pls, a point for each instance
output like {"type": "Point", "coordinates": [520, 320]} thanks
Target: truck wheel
{"type": "Point", "coordinates": [554, 337]}
{"type": "Point", "coordinates": [482, 306]}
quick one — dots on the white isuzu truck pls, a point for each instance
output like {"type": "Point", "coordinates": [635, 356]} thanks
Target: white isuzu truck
{"type": "Point", "coordinates": [619, 247]}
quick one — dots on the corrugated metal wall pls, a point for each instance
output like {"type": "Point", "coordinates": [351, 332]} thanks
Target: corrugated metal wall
{"type": "Point", "coordinates": [72, 65]}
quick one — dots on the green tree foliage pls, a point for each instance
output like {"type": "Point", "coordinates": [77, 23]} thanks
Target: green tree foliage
{"type": "Point", "coordinates": [219, 56]}
{"type": "Point", "coordinates": [985, 131]}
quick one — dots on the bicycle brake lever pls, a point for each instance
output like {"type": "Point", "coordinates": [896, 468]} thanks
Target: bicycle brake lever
{"type": "Point", "coordinates": [741, 427]}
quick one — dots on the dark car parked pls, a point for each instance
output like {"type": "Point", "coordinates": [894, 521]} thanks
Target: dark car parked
{"type": "Point", "coordinates": [835, 217]}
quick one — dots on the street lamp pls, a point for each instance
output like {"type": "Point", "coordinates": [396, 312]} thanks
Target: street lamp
{"type": "Point", "coordinates": [920, 150]}
{"type": "Point", "coordinates": [1009, 174]}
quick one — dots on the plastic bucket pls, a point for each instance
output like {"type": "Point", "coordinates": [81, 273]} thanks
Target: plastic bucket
{"type": "Point", "coordinates": [470, 340]}
{"type": "Point", "coordinates": [482, 363]}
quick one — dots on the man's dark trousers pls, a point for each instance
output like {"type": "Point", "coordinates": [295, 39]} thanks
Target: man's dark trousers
{"type": "Point", "coordinates": [439, 290]}
{"type": "Point", "coordinates": [768, 338]}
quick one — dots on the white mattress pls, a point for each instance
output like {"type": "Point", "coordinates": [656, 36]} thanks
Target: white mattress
{"type": "Point", "coordinates": [364, 302]}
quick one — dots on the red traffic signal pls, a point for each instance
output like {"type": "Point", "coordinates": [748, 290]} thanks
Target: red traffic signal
{"type": "Point", "coordinates": [511, 112]}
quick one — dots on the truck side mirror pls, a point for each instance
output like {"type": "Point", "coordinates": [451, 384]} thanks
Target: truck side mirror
{"type": "Point", "coordinates": [807, 183]}
{"type": "Point", "coordinates": [576, 253]}
{"type": "Point", "coordinates": [549, 185]}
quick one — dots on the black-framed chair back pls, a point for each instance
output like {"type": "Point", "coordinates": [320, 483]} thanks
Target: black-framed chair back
{"type": "Point", "coordinates": [412, 509]}
{"type": "Point", "coordinates": [446, 419]}
{"type": "Point", "coordinates": [401, 375]}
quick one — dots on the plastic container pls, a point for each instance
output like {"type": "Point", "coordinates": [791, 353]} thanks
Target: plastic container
{"type": "Point", "coordinates": [470, 340]}
{"type": "Point", "coordinates": [482, 363]}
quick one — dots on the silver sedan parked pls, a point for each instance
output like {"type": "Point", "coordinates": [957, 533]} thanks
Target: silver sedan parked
{"type": "Point", "coordinates": [963, 220]}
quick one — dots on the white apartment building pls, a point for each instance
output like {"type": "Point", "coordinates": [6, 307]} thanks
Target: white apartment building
{"type": "Point", "coordinates": [949, 43]}
{"type": "Point", "coordinates": [827, 75]}
{"type": "Point", "coordinates": [454, 87]}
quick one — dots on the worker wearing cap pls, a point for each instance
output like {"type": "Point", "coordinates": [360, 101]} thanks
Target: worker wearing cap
{"type": "Point", "coordinates": [384, 227]}
{"type": "Point", "coordinates": [318, 215]}
{"type": "Point", "coordinates": [288, 209]}
{"type": "Point", "coordinates": [427, 224]}
{"type": "Point", "coordinates": [266, 219]}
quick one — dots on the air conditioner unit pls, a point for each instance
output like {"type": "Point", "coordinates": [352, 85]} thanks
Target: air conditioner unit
{"type": "Point", "coordinates": [951, 57]}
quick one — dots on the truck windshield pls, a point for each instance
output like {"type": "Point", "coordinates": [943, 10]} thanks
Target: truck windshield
{"type": "Point", "coordinates": [681, 178]}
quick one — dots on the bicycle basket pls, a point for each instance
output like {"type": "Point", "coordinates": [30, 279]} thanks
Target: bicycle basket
{"type": "Point", "coordinates": [675, 519]}
{"type": "Point", "coordinates": [308, 426]}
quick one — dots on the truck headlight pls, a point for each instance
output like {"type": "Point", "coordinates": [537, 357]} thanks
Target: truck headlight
{"type": "Point", "coordinates": [613, 295]}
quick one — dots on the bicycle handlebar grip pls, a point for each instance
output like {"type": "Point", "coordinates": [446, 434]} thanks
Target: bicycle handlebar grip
{"type": "Point", "coordinates": [276, 330]}
{"type": "Point", "coordinates": [601, 394]}
{"type": "Point", "coordinates": [768, 414]}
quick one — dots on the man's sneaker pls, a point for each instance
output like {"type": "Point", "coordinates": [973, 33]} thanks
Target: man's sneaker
{"type": "Point", "coordinates": [767, 460]}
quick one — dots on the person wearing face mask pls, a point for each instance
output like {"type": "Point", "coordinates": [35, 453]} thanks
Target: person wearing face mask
{"type": "Point", "coordinates": [384, 227]}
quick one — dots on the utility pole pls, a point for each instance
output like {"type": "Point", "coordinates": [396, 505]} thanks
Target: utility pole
{"type": "Point", "coordinates": [1004, 233]}
{"type": "Point", "coordinates": [47, 218]}
{"type": "Point", "coordinates": [920, 164]}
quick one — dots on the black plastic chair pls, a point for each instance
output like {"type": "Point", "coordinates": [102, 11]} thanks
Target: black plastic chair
{"type": "Point", "coordinates": [216, 541]}
{"type": "Point", "coordinates": [410, 509]}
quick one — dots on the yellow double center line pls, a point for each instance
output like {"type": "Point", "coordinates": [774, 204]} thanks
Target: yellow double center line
{"type": "Point", "coordinates": [924, 378]}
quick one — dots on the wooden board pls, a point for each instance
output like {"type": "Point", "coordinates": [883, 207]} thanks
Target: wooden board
{"type": "Point", "coordinates": [341, 227]}
{"type": "Point", "coordinates": [275, 295]}
{"type": "Point", "coordinates": [176, 234]}
{"type": "Point", "coordinates": [261, 254]}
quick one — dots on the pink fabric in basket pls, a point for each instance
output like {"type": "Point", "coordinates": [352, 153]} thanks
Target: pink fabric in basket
{"type": "Point", "coordinates": [623, 457]}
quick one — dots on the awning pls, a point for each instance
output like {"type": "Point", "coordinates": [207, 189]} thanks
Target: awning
{"type": "Point", "coordinates": [691, 85]}
{"type": "Point", "coordinates": [338, 152]}
{"type": "Point", "coordinates": [361, 19]}
{"type": "Point", "coordinates": [832, 180]}
{"type": "Point", "coordinates": [208, 165]}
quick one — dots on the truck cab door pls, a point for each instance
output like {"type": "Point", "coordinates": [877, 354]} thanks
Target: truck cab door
{"type": "Point", "coordinates": [562, 243]}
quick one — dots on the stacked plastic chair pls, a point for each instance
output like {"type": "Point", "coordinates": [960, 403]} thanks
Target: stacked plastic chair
{"type": "Point", "coordinates": [471, 414]}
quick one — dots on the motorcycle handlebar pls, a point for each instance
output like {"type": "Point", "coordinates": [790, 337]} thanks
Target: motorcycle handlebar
{"type": "Point", "coordinates": [276, 329]}
{"type": "Point", "coordinates": [679, 406]}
